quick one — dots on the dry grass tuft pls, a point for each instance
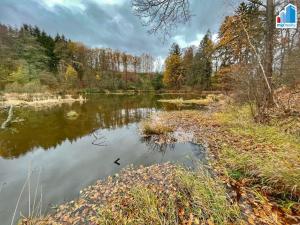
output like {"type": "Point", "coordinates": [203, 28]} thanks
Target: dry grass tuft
{"type": "Point", "coordinates": [203, 101]}
{"type": "Point", "coordinates": [149, 128]}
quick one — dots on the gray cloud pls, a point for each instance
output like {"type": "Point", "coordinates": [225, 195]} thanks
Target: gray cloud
{"type": "Point", "coordinates": [98, 24]}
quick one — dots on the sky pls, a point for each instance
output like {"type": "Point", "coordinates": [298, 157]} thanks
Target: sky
{"type": "Point", "coordinates": [111, 23]}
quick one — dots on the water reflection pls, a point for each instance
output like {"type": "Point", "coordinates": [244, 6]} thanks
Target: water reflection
{"type": "Point", "coordinates": [99, 139]}
{"type": "Point", "coordinates": [153, 145]}
{"type": "Point", "coordinates": [72, 154]}
{"type": "Point", "coordinates": [50, 128]}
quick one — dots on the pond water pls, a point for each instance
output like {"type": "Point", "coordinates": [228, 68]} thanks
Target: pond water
{"type": "Point", "coordinates": [64, 155]}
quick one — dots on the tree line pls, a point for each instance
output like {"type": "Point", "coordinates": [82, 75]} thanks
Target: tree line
{"type": "Point", "coordinates": [32, 60]}
{"type": "Point", "coordinates": [191, 67]}
{"type": "Point", "coordinates": [250, 58]}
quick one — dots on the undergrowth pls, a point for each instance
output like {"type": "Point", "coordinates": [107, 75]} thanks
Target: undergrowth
{"type": "Point", "coordinates": [199, 199]}
{"type": "Point", "coordinates": [267, 153]}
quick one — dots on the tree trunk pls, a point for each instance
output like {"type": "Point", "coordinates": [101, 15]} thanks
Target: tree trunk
{"type": "Point", "coordinates": [270, 29]}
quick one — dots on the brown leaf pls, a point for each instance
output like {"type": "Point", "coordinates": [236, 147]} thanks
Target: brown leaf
{"type": "Point", "coordinates": [251, 221]}
{"type": "Point", "coordinates": [210, 222]}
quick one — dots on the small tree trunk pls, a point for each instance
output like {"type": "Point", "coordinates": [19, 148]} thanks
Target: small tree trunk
{"type": "Point", "coordinates": [270, 28]}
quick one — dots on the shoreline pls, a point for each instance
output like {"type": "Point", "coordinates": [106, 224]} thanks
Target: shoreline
{"type": "Point", "coordinates": [37, 100]}
{"type": "Point", "coordinates": [232, 142]}
{"type": "Point", "coordinates": [148, 195]}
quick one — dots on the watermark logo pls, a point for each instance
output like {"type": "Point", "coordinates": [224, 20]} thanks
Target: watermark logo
{"type": "Point", "coordinates": [287, 18]}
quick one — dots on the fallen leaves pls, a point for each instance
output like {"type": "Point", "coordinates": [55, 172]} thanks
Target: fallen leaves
{"type": "Point", "coordinates": [113, 197]}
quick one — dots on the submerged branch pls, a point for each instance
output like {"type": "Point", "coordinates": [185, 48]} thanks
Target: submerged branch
{"type": "Point", "coordinates": [9, 118]}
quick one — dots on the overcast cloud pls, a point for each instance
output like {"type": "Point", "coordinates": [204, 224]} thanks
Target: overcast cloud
{"type": "Point", "coordinates": [110, 23]}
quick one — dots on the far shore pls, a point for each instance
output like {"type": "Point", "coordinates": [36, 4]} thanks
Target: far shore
{"type": "Point", "coordinates": [37, 99]}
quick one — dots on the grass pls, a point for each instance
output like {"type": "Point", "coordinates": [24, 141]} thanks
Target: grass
{"type": "Point", "coordinates": [204, 101]}
{"type": "Point", "coordinates": [155, 128]}
{"type": "Point", "coordinates": [240, 122]}
{"type": "Point", "coordinates": [206, 197]}
{"type": "Point", "coordinates": [264, 152]}
{"type": "Point", "coordinates": [37, 99]}
{"type": "Point", "coordinates": [199, 199]}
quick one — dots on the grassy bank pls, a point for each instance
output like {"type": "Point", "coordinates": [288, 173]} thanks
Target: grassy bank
{"type": "Point", "coordinates": [159, 194]}
{"type": "Point", "coordinates": [253, 177]}
{"type": "Point", "coordinates": [243, 145]}
{"type": "Point", "coordinates": [207, 100]}
{"type": "Point", "coordinates": [262, 158]}
{"type": "Point", "coordinates": [265, 153]}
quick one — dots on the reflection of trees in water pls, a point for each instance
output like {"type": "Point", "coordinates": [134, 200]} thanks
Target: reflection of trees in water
{"type": "Point", "coordinates": [50, 128]}
{"type": "Point", "coordinates": [153, 145]}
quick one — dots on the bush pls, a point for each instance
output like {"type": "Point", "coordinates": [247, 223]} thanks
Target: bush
{"type": "Point", "coordinates": [34, 86]}
{"type": "Point", "coordinates": [49, 80]}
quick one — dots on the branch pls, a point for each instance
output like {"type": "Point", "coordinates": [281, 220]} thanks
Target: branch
{"type": "Point", "coordinates": [162, 15]}
{"type": "Point", "coordinates": [259, 60]}
{"type": "Point", "coordinates": [9, 118]}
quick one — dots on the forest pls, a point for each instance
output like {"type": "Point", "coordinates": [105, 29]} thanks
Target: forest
{"type": "Point", "coordinates": [250, 59]}
{"type": "Point", "coordinates": [34, 61]}
{"type": "Point", "coordinates": [209, 136]}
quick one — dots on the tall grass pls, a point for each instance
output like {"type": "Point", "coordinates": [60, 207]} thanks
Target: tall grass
{"type": "Point", "coordinates": [264, 152]}
{"type": "Point", "coordinates": [199, 198]}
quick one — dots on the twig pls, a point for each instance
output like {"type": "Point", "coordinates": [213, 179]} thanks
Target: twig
{"type": "Point", "coordinates": [29, 197]}
{"type": "Point", "coordinates": [19, 198]}
{"type": "Point", "coordinates": [35, 194]}
{"type": "Point", "coordinates": [41, 201]}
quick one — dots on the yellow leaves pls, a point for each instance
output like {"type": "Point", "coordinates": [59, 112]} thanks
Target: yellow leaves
{"type": "Point", "coordinates": [173, 70]}
{"type": "Point", "coordinates": [251, 221]}
{"type": "Point", "coordinates": [70, 72]}
{"type": "Point", "coordinates": [196, 221]}
{"type": "Point", "coordinates": [98, 76]}
{"type": "Point", "coordinates": [210, 222]}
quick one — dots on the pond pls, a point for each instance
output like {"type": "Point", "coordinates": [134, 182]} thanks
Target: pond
{"type": "Point", "coordinates": [66, 155]}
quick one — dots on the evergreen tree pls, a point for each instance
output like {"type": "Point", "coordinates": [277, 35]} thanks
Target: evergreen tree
{"type": "Point", "coordinates": [187, 62]}
{"type": "Point", "coordinates": [174, 74]}
{"type": "Point", "coordinates": [175, 50]}
{"type": "Point", "coordinates": [202, 68]}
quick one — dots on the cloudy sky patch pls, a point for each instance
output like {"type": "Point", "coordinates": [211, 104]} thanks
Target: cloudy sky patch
{"type": "Point", "coordinates": [111, 23]}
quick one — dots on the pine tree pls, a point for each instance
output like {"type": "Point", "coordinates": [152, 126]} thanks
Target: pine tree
{"type": "Point", "coordinates": [173, 75]}
{"type": "Point", "coordinates": [202, 68]}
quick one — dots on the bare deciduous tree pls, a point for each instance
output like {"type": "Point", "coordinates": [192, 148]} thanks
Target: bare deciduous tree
{"type": "Point", "coordinates": [162, 15]}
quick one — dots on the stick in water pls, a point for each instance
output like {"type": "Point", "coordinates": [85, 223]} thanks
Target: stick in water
{"type": "Point", "coordinates": [9, 118]}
